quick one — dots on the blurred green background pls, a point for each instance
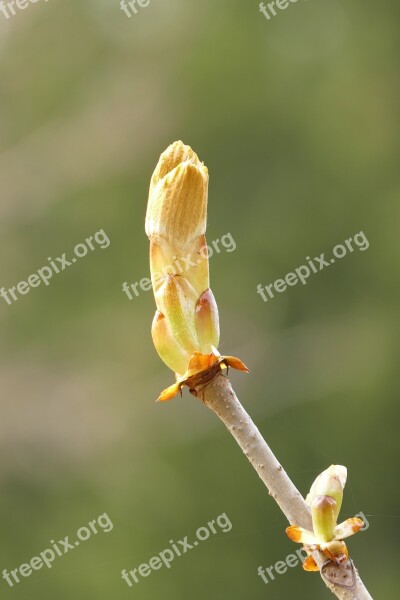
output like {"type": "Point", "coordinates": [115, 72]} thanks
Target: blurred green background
{"type": "Point", "coordinates": [297, 119]}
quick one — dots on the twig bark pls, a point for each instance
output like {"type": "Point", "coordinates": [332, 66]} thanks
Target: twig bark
{"type": "Point", "coordinates": [219, 396]}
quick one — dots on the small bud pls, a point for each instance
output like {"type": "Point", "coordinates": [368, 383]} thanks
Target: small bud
{"type": "Point", "coordinates": [325, 499]}
{"type": "Point", "coordinates": [331, 483]}
{"type": "Point", "coordinates": [177, 207]}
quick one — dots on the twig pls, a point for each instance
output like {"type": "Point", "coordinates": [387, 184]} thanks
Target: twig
{"type": "Point", "coordinates": [219, 396]}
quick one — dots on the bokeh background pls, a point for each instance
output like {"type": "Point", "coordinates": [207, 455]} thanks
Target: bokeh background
{"type": "Point", "coordinates": [297, 119]}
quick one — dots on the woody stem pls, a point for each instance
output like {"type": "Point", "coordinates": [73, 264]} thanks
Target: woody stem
{"type": "Point", "coordinates": [219, 396]}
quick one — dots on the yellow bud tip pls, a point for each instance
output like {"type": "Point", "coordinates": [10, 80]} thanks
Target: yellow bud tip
{"type": "Point", "coordinates": [174, 155]}
{"type": "Point", "coordinates": [177, 206]}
